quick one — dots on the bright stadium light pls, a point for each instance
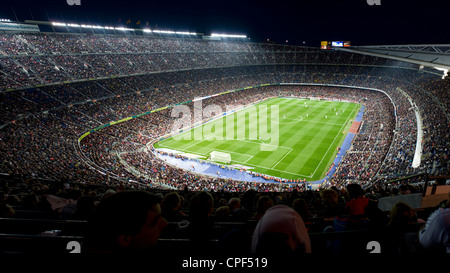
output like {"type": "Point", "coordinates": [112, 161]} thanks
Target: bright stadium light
{"type": "Point", "coordinates": [164, 31]}
{"type": "Point", "coordinates": [228, 35]}
{"type": "Point", "coordinates": [59, 24]}
{"type": "Point", "coordinates": [185, 33]}
{"type": "Point", "coordinates": [92, 26]}
{"type": "Point", "coordinates": [146, 30]}
{"type": "Point", "coordinates": [171, 32]}
{"type": "Point", "coordinates": [123, 29]}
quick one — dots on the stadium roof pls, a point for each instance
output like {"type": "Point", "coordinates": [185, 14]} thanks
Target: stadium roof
{"type": "Point", "coordinates": [435, 56]}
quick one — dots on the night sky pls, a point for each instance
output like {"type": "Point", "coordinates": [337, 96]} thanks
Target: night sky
{"type": "Point", "coordinates": [299, 22]}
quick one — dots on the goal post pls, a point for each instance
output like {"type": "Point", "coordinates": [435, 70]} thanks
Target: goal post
{"type": "Point", "coordinates": [220, 157]}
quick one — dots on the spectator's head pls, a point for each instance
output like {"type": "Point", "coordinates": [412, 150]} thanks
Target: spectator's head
{"type": "Point", "coordinates": [263, 204]}
{"type": "Point", "coordinates": [344, 195]}
{"type": "Point", "coordinates": [329, 197]}
{"type": "Point", "coordinates": [13, 200]}
{"type": "Point", "coordinates": [222, 213]}
{"type": "Point", "coordinates": [107, 193]}
{"type": "Point", "coordinates": [126, 221]}
{"type": "Point", "coordinates": [201, 205]}
{"type": "Point", "coordinates": [6, 210]}
{"type": "Point", "coordinates": [354, 191]}
{"type": "Point", "coordinates": [171, 202]}
{"type": "Point", "coordinates": [248, 199]}
{"type": "Point", "coordinates": [222, 202]}
{"type": "Point", "coordinates": [280, 231]}
{"type": "Point", "coordinates": [301, 207]}
{"type": "Point", "coordinates": [234, 203]}
{"type": "Point", "coordinates": [401, 214]}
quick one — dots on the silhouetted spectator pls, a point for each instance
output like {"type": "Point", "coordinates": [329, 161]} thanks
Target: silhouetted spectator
{"type": "Point", "coordinates": [127, 221]}
{"type": "Point", "coordinates": [263, 204]}
{"type": "Point", "coordinates": [357, 203]}
{"type": "Point", "coordinates": [201, 208]}
{"type": "Point", "coordinates": [402, 229]}
{"type": "Point", "coordinates": [301, 207]}
{"type": "Point", "coordinates": [170, 207]}
{"type": "Point", "coordinates": [85, 206]}
{"type": "Point", "coordinates": [331, 205]}
{"type": "Point", "coordinates": [6, 211]}
{"type": "Point", "coordinates": [222, 214]}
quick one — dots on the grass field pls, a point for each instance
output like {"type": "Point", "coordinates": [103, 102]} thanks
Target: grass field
{"type": "Point", "coordinates": [308, 132]}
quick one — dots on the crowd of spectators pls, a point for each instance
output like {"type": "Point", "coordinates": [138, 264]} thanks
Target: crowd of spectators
{"type": "Point", "coordinates": [32, 59]}
{"type": "Point", "coordinates": [201, 216]}
{"type": "Point", "coordinates": [41, 124]}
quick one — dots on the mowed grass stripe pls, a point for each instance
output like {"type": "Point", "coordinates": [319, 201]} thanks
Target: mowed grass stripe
{"type": "Point", "coordinates": [272, 159]}
{"type": "Point", "coordinates": [303, 142]}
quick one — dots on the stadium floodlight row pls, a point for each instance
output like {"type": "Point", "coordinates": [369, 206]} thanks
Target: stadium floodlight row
{"type": "Point", "coordinates": [228, 35]}
{"type": "Point", "coordinates": [145, 30]}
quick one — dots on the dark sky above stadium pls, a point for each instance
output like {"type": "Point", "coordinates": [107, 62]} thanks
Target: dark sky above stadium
{"type": "Point", "coordinates": [392, 22]}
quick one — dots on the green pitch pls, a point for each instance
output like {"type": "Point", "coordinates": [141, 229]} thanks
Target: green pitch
{"type": "Point", "coordinates": [308, 133]}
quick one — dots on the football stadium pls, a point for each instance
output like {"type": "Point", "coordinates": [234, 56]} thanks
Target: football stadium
{"type": "Point", "coordinates": [126, 138]}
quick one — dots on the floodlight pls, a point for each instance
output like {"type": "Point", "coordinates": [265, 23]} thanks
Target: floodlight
{"type": "Point", "coordinates": [59, 24]}
{"type": "Point", "coordinates": [164, 31]}
{"type": "Point", "coordinates": [185, 33]}
{"type": "Point", "coordinates": [228, 35]}
{"type": "Point", "coordinates": [123, 29]}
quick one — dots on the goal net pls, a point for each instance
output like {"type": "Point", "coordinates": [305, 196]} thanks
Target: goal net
{"type": "Point", "coordinates": [220, 157]}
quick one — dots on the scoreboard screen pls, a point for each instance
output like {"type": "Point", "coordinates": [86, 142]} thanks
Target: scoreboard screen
{"type": "Point", "coordinates": [337, 43]}
{"type": "Point", "coordinates": [325, 45]}
{"type": "Point", "coordinates": [334, 44]}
